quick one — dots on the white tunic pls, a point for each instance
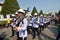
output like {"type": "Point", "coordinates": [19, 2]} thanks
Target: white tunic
{"type": "Point", "coordinates": [41, 21]}
{"type": "Point", "coordinates": [17, 20]}
{"type": "Point", "coordinates": [13, 20]}
{"type": "Point", "coordinates": [34, 24]}
{"type": "Point", "coordinates": [23, 30]}
{"type": "Point", "coordinates": [44, 20]}
{"type": "Point", "coordinates": [30, 23]}
{"type": "Point", "coordinates": [49, 19]}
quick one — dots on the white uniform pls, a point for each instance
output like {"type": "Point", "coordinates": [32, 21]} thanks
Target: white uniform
{"type": "Point", "coordinates": [44, 20]}
{"type": "Point", "coordinates": [49, 19]}
{"type": "Point", "coordinates": [34, 20]}
{"type": "Point", "coordinates": [23, 30]}
{"type": "Point", "coordinates": [30, 23]}
{"type": "Point", "coordinates": [41, 21]}
{"type": "Point", "coordinates": [13, 20]}
{"type": "Point", "coordinates": [17, 20]}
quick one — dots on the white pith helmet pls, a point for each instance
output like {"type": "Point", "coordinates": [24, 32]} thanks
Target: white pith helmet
{"type": "Point", "coordinates": [35, 14]}
{"type": "Point", "coordinates": [21, 10]}
{"type": "Point", "coordinates": [13, 15]}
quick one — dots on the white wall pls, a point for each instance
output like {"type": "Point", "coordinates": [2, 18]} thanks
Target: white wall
{"type": "Point", "coordinates": [0, 8]}
{"type": "Point", "coordinates": [3, 19]}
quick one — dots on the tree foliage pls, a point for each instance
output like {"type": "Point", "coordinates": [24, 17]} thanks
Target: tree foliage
{"type": "Point", "coordinates": [9, 7]}
{"type": "Point", "coordinates": [41, 12]}
{"type": "Point", "coordinates": [34, 11]}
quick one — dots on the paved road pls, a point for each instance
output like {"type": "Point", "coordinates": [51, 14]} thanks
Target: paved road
{"type": "Point", "coordinates": [49, 33]}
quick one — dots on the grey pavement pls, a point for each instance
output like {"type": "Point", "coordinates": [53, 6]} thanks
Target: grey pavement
{"type": "Point", "coordinates": [49, 33]}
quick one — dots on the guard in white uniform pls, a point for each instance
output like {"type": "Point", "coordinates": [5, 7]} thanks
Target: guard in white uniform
{"type": "Point", "coordinates": [35, 25]}
{"type": "Point", "coordinates": [48, 21]}
{"type": "Point", "coordinates": [29, 28]}
{"type": "Point", "coordinates": [17, 20]}
{"type": "Point", "coordinates": [45, 22]}
{"type": "Point", "coordinates": [22, 29]}
{"type": "Point", "coordinates": [41, 23]}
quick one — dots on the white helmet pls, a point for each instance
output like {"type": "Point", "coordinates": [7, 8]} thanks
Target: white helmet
{"type": "Point", "coordinates": [21, 10]}
{"type": "Point", "coordinates": [44, 15]}
{"type": "Point", "coordinates": [13, 15]}
{"type": "Point", "coordinates": [35, 14]}
{"type": "Point", "coordinates": [41, 15]}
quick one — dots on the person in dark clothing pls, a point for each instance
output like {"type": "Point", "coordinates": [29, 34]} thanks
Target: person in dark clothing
{"type": "Point", "coordinates": [58, 36]}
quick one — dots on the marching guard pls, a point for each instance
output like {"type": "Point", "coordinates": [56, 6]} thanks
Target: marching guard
{"type": "Point", "coordinates": [41, 23]}
{"type": "Point", "coordinates": [35, 25]}
{"type": "Point", "coordinates": [29, 28]}
{"type": "Point", "coordinates": [45, 21]}
{"type": "Point", "coordinates": [22, 25]}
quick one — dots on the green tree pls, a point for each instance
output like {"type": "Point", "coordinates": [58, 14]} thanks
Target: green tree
{"type": "Point", "coordinates": [9, 7]}
{"type": "Point", "coordinates": [41, 12]}
{"type": "Point", "coordinates": [34, 11]}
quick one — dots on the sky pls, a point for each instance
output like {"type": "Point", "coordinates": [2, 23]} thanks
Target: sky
{"type": "Point", "coordinates": [1, 1]}
{"type": "Point", "coordinates": [45, 5]}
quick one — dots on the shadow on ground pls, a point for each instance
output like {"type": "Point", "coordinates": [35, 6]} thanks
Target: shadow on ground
{"type": "Point", "coordinates": [3, 36]}
{"type": "Point", "coordinates": [53, 30]}
{"type": "Point", "coordinates": [46, 36]}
